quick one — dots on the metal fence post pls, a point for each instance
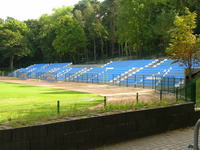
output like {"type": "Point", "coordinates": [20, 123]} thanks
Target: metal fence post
{"type": "Point", "coordinates": [161, 95]}
{"type": "Point", "coordinates": [177, 94]}
{"type": "Point", "coordinates": [193, 92]}
{"type": "Point", "coordinates": [143, 81]}
{"type": "Point", "coordinates": [174, 85]}
{"type": "Point", "coordinates": [168, 83]}
{"type": "Point", "coordinates": [87, 78]}
{"type": "Point", "coordinates": [113, 76]}
{"type": "Point", "coordinates": [155, 83]}
{"type": "Point", "coordinates": [97, 79]}
{"type": "Point", "coordinates": [186, 93]}
{"type": "Point", "coordinates": [137, 98]}
{"type": "Point", "coordinates": [105, 101]}
{"type": "Point", "coordinates": [127, 80]}
{"type": "Point", "coordinates": [120, 80]}
{"type": "Point", "coordinates": [152, 82]}
{"type": "Point", "coordinates": [135, 81]}
{"type": "Point", "coordinates": [58, 107]}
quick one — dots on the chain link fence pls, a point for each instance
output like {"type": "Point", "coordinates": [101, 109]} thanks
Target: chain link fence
{"type": "Point", "coordinates": [181, 89]}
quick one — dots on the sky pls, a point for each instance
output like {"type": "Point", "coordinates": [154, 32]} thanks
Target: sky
{"type": "Point", "coordinates": [30, 9]}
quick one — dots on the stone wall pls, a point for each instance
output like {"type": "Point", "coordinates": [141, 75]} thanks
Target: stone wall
{"type": "Point", "coordinates": [92, 132]}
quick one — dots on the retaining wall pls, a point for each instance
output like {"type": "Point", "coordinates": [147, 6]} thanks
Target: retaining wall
{"type": "Point", "coordinates": [91, 132]}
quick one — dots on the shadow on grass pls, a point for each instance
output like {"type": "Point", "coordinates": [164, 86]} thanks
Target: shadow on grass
{"type": "Point", "coordinates": [18, 84]}
{"type": "Point", "coordinates": [64, 92]}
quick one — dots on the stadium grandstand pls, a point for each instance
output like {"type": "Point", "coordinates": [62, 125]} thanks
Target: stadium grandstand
{"type": "Point", "coordinates": [148, 73]}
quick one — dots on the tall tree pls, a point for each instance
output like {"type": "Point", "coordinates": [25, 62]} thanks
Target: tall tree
{"type": "Point", "coordinates": [163, 23]}
{"type": "Point", "coordinates": [87, 12]}
{"type": "Point", "coordinates": [47, 33]}
{"type": "Point", "coordinates": [14, 41]}
{"type": "Point", "coordinates": [1, 21]}
{"type": "Point", "coordinates": [35, 55]}
{"type": "Point", "coordinates": [184, 44]}
{"type": "Point", "coordinates": [134, 24]}
{"type": "Point", "coordinates": [70, 38]}
{"type": "Point", "coordinates": [108, 12]}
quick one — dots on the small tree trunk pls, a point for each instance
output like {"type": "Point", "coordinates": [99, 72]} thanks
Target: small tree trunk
{"type": "Point", "coordinates": [190, 73]}
{"type": "Point", "coordinates": [94, 49]}
{"type": "Point", "coordinates": [11, 62]}
{"type": "Point", "coordinates": [102, 45]}
{"type": "Point", "coordinates": [122, 48]}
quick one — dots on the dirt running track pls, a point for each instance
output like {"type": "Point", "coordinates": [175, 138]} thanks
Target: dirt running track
{"type": "Point", "coordinates": [115, 94]}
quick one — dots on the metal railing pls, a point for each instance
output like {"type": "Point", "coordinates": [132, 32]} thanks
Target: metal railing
{"type": "Point", "coordinates": [196, 137]}
{"type": "Point", "coordinates": [181, 89]}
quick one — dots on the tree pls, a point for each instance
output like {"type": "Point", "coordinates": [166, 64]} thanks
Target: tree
{"type": "Point", "coordinates": [164, 22]}
{"type": "Point", "coordinates": [35, 55]}
{"type": "Point", "coordinates": [87, 13]}
{"type": "Point", "coordinates": [184, 44]}
{"type": "Point", "coordinates": [47, 33]}
{"type": "Point", "coordinates": [108, 13]}
{"type": "Point", "coordinates": [1, 21]}
{"type": "Point", "coordinates": [135, 25]}
{"type": "Point", "coordinates": [70, 38]}
{"type": "Point", "coordinates": [13, 44]}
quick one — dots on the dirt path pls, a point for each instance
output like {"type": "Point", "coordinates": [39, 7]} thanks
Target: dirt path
{"type": "Point", "coordinates": [115, 94]}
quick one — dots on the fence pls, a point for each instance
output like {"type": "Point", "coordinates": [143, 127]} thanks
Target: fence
{"type": "Point", "coordinates": [181, 89]}
{"type": "Point", "coordinates": [4, 73]}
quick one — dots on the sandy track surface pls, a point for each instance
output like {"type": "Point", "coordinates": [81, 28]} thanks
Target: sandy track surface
{"type": "Point", "coordinates": [115, 94]}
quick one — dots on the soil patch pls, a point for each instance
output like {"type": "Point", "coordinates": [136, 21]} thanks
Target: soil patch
{"type": "Point", "coordinates": [114, 94]}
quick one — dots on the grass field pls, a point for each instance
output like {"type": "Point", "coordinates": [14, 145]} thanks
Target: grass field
{"type": "Point", "coordinates": [19, 101]}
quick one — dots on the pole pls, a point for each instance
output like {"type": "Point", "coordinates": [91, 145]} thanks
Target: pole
{"type": "Point", "coordinates": [177, 94]}
{"type": "Point", "coordinates": [137, 98]}
{"type": "Point", "coordinates": [58, 107]}
{"type": "Point", "coordinates": [105, 101]}
{"type": "Point", "coordinates": [160, 95]}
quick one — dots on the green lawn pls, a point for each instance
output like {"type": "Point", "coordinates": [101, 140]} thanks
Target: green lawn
{"type": "Point", "coordinates": [18, 101]}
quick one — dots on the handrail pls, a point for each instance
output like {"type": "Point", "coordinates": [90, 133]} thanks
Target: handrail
{"type": "Point", "coordinates": [196, 136]}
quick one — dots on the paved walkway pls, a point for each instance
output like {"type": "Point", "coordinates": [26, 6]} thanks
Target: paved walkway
{"type": "Point", "coordinates": [173, 140]}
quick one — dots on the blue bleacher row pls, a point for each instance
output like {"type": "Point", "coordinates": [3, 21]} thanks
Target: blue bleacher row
{"type": "Point", "coordinates": [132, 72]}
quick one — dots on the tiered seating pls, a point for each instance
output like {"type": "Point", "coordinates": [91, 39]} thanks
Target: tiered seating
{"type": "Point", "coordinates": [70, 74]}
{"type": "Point", "coordinates": [112, 70]}
{"type": "Point", "coordinates": [39, 70]}
{"type": "Point", "coordinates": [136, 72]}
{"type": "Point", "coordinates": [91, 75]}
{"type": "Point", "coordinates": [33, 70]}
{"type": "Point", "coordinates": [130, 63]}
{"type": "Point", "coordinates": [154, 75]}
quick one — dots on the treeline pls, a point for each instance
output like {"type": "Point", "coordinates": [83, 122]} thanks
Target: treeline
{"type": "Point", "coordinates": [93, 30]}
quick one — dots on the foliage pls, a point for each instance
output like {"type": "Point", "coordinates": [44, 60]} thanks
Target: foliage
{"type": "Point", "coordinates": [14, 42]}
{"type": "Point", "coordinates": [70, 37]}
{"type": "Point", "coordinates": [111, 28]}
{"type": "Point", "coordinates": [184, 44]}
{"type": "Point", "coordinates": [137, 106]}
{"type": "Point", "coordinates": [198, 90]}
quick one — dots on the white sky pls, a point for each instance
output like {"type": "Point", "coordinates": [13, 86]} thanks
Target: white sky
{"type": "Point", "coordinates": [30, 9]}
